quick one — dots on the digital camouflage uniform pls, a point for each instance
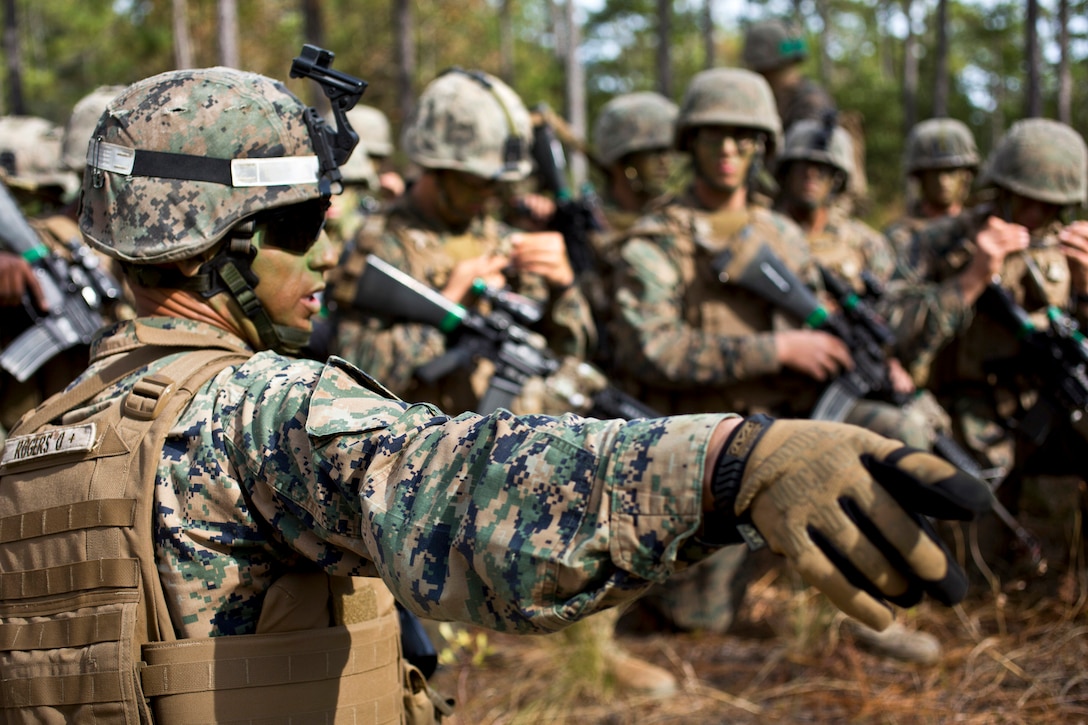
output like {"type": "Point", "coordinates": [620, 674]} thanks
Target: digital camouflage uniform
{"type": "Point", "coordinates": [472, 123]}
{"type": "Point", "coordinates": [628, 124]}
{"type": "Point", "coordinates": [969, 358]}
{"type": "Point", "coordinates": [393, 352]}
{"type": "Point", "coordinates": [39, 155]}
{"type": "Point", "coordinates": [848, 247]}
{"type": "Point", "coordinates": [334, 498]}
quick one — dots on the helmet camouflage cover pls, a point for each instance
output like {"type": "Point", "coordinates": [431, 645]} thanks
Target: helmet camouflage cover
{"type": "Point", "coordinates": [373, 128]}
{"type": "Point", "coordinates": [728, 97]}
{"type": "Point", "coordinates": [180, 158]}
{"type": "Point", "coordinates": [821, 142]}
{"type": "Point", "coordinates": [940, 143]}
{"type": "Point", "coordinates": [1040, 159]}
{"type": "Point", "coordinates": [634, 122]}
{"type": "Point", "coordinates": [472, 122]}
{"type": "Point", "coordinates": [81, 124]}
{"type": "Point", "coordinates": [771, 44]}
{"type": "Point", "coordinates": [30, 154]}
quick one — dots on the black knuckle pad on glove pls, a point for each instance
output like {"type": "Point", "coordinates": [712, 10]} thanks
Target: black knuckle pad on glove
{"type": "Point", "coordinates": [923, 483]}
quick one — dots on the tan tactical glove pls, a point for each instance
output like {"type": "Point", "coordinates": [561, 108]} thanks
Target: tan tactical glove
{"type": "Point", "coordinates": [847, 507]}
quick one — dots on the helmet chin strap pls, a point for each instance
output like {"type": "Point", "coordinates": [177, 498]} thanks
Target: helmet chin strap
{"type": "Point", "coordinates": [230, 272]}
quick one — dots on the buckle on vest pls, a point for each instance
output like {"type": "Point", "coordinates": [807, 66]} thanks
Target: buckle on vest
{"type": "Point", "coordinates": [148, 397]}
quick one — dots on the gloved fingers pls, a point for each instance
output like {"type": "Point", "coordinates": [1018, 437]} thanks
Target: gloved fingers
{"type": "Point", "coordinates": [923, 483]}
{"type": "Point", "coordinates": [898, 533]}
{"type": "Point", "coordinates": [830, 539]}
{"type": "Point", "coordinates": [866, 568]}
{"type": "Point", "coordinates": [819, 571]}
{"type": "Point", "coordinates": [910, 545]}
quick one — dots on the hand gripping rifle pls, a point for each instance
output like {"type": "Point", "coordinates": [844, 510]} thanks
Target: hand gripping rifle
{"type": "Point", "coordinates": [517, 352]}
{"type": "Point", "coordinates": [76, 292]}
{"type": "Point", "coordinates": [868, 338]}
{"type": "Point", "coordinates": [575, 219]}
{"type": "Point", "coordinates": [1055, 358]}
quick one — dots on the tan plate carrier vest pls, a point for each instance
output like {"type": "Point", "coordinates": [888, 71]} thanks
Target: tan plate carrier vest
{"type": "Point", "coordinates": [85, 635]}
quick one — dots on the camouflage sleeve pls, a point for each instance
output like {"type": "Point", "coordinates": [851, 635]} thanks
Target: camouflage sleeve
{"type": "Point", "coordinates": [925, 312]}
{"type": "Point", "coordinates": [654, 342]}
{"type": "Point", "coordinates": [512, 523]}
{"type": "Point", "coordinates": [389, 352]}
{"type": "Point", "coordinates": [877, 252]}
{"type": "Point", "coordinates": [567, 324]}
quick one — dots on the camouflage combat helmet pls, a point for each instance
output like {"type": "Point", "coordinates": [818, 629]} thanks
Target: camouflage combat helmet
{"type": "Point", "coordinates": [819, 141]}
{"type": "Point", "coordinates": [728, 97]}
{"type": "Point", "coordinates": [940, 143]}
{"type": "Point", "coordinates": [30, 154]}
{"type": "Point", "coordinates": [373, 129]}
{"type": "Point", "coordinates": [77, 132]}
{"type": "Point", "coordinates": [771, 44]}
{"type": "Point", "coordinates": [472, 122]}
{"type": "Point", "coordinates": [180, 158]}
{"type": "Point", "coordinates": [1040, 159]}
{"type": "Point", "coordinates": [634, 122]}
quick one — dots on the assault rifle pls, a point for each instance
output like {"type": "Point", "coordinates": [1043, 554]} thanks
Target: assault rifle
{"type": "Point", "coordinates": [574, 218]}
{"type": "Point", "coordinates": [868, 338]}
{"type": "Point", "coordinates": [517, 352]}
{"type": "Point", "coordinates": [76, 293]}
{"type": "Point", "coordinates": [1054, 357]}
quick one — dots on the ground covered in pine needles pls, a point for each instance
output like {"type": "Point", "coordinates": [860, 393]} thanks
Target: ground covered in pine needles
{"type": "Point", "coordinates": [1016, 651]}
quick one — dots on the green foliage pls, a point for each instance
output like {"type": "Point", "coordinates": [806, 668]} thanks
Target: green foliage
{"type": "Point", "coordinates": [69, 48]}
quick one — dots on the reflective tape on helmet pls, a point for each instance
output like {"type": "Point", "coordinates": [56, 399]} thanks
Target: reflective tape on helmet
{"type": "Point", "coordinates": [277, 171]}
{"type": "Point", "coordinates": [274, 172]}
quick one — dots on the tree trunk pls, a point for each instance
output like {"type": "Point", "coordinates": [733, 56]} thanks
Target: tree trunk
{"type": "Point", "coordinates": [940, 75]}
{"type": "Point", "coordinates": [910, 72]}
{"type": "Point", "coordinates": [824, 12]}
{"type": "Point", "coordinates": [1033, 103]}
{"type": "Point", "coordinates": [1065, 71]}
{"type": "Point", "coordinates": [887, 46]}
{"type": "Point", "coordinates": [183, 44]}
{"type": "Point", "coordinates": [664, 61]}
{"type": "Point", "coordinates": [313, 32]}
{"type": "Point", "coordinates": [228, 33]}
{"type": "Point", "coordinates": [406, 56]}
{"type": "Point", "coordinates": [576, 94]}
{"type": "Point", "coordinates": [16, 101]}
{"type": "Point", "coordinates": [506, 41]}
{"type": "Point", "coordinates": [708, 33]}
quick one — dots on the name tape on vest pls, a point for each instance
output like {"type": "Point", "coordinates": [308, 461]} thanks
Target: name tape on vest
{"type": "Point", "coordinates": [57, 441]}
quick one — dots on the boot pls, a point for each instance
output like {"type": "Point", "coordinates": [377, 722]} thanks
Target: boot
{"type": "Point", "coordinates": [631, 674]}
{"type": "Point", "coordinates": [898, 642]}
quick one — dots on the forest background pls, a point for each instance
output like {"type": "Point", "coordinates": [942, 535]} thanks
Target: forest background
{"type": "Point", "coordinates": [985, 62]}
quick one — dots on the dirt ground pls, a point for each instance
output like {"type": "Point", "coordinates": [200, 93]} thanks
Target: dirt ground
{"type": "Point", "coordinates": [1014, 652]}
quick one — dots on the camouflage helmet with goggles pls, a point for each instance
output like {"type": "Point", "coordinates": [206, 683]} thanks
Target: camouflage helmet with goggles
{"type": "Point", "coordinates": [373, 128]}
{"type": "Point", "coordinates": [1040, 159]}
{"type": "Point", "coordinates": [179, 159]}
{"type": "Point", "coordinates": [772, 44]}
{"type": "Point", "coordinates": [30, 155]}
{"type": "Point", "coordinates": [81, 124]}
{"type": "Point", "coordinates": [472, 122]}
{"type": "Point", "coordinates": [940, 143]}
{"type": "Point", "coordinates": [728, 97]}
{"type": "Point", "coordinates": [822, 142]}
{"type": "Point", "coordinates": [634, 122]}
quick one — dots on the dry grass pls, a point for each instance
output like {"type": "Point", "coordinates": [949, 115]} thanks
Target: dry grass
{"type": "Point", "coordinates": [1014, 652]}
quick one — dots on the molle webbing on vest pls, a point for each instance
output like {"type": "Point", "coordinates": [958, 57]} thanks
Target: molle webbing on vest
{"type": "Point", "coordinates": [348, 674]}
{"type": "Point", "coordinates": [79, 592]}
